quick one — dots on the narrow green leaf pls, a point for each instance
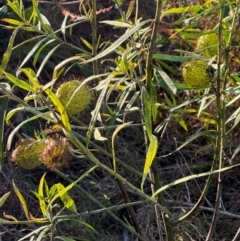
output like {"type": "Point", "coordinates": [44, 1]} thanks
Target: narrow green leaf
{"type": "Point", "coordinates": [61, 65]}
{"type": "Point", "coordinates": [191, 177]}
{"type": "Point", "coordinates": [30, 73]}
{"type": "Point", "coordinates": [147, 111]}
{"type": "Point", "coordinates": [10, 137]}
{"type": "Point", "coordinates": [66, 199]}
{"type": "Point", "coordinates": [181, 121]}
{"type": "Point", "coordinates": [45, 24]}
{"type": "Point", "coordinates": [63, 26]}
{"type": "Point", "coordinates": [118, 129]}
{"type": "Point", "coordinates": [31, 52]}
{"type": "Point", "coordinates": [203, 101]}
{"type": "Point", "coordinates": [165, 81]}
{"type": "Point", "coordinates": [60, 108]}
{"type": "Point", "coordinates": [189, 140]}
{"type": "Point", "coordinates": [35, 111]}
{"type": "Point", "coordinates": [151, 153]}
{"type": "Point", "coordinates": [234, 154]}
{"type": "Point", "coordinates": [33, 233]}
{"type": "Point", "coordinates": [114, 45]}
{"type": "Point", "coordinates": [18, 82]}
{"type": "Point", "coordinates": [3, 109]}
{"type": "Point", "coordinates": [12, 21]}
{"type": "Point", "coordinates": [130, 9]}
{"type": "Point", "coordinates": [79, 221]}
{"type": "Point", "coordinates": [179, 10]}
{"type": "Point", "coordinates": [22, 200]}
{"type": "Point", "coordinates": [117, 23]}
{"type": "Point", "coordinates": [70, 186]}
{"type": "Point", "coordinates": [52, 192]}
{"type": "Point", "coordinates": [153, 100]}
{"type": "Point", "coordinates": [42, 203]}
{"type": "Point", "coordinates": [172, 58]}
{"type": "Point", "coordinates": [4, 198]}
{"type": "Point", "coordinates": [234, 115]}
{"type": "Point", "coordinates": [42, 234]}
{"type": "Point", "coordinates": [17, 7]}
{"type": "Point", "coordinates": [162, 125]}
{"type": "Point", "coordinates": [96, 111]}
{"type": "Point", "coordinates": [86, 43]}
{"type": "Point", "coordinates": [8, 52]}
{"type": "Point", "coordinates": [183, 86]}
{"type": "Point", "coordinates": [120, 104]}
{"type": "Point", "coordinates": [130, 103]}
{"type": "Point", "coordinates": [64, 238]}
{"type": "Point", "coordinates": [46, 58]}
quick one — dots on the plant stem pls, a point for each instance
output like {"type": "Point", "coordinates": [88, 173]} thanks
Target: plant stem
{"type": "Point", "coordinates": [125, 195]}
{"type": "Point", "coordinates": [149, 71]}
{"type": "Point", "coordinates": [94, 36]}
{"type": "Point", "coordinates": [103, 151]}
{"type": "Point", "coordinates": [220, 138]}
{"type": "Point", "coordinates": [160, 199]}
{"type": "Point", "coordinates": [90, 197]}
{"type": "Point", "coordinates": [94, 160]}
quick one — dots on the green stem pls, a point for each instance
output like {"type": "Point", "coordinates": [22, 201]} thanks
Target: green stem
{"type": "Point", "coordinates": [90, 197]}
{"type": "Point", "coordinates": [124, 194]}
{"type": "Point", "coordinates": [94, 36]}
{"type": "Point", "coordinates": [94, 160]}
{"type": "Point", "coordinates": [104, 152]}
{"type": "Point", "coordinates": [3, 109]}
{"type": "Point", "coordinates": [149, 71]}
{"type": "Point", "coordinates": [160, 198]}
{"type": "Point", "coordinates": [220, 138]}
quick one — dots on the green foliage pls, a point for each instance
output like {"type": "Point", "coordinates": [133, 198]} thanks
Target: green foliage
{"type": "Point", "coordinates": [47, 197]}
{"type": "Point", "coordinates": [4, 198]}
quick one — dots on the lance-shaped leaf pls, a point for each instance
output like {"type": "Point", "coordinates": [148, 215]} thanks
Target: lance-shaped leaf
{"type": "Point", "coordinates": [119, 128]}
{"type": "Point", "coordinates": [147, 111]}
{"type": "Point", "coordinates": [4, 198]}
{"type": "Point", "coordinates": [42, 203]}
{"type": "Point", "coordinates": [151, 153]}
{"type": "Point", "coordinates": [22, 200]}
{"type": "Point", "coordinates": [191, 177]}
{"type": "Point", "coordinates": [3, 109]}
{"type": "Point", "coordinates": [66, 199]}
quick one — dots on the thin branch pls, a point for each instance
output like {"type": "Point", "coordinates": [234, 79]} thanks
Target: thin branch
{"type": "Point", "coordinates": [220, 139]}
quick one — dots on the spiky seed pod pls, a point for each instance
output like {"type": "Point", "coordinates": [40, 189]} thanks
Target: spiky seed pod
{"type": "Point", "coordinates": [80, 100]}
{"type": "Point", "coordinates": [26, 154]}
{"type": "Point", "coordinates": [56, 154]}
{"type": "Point", "coordinates": [208, 45]}
{"type": "Point", "coordinates": [195, 74]}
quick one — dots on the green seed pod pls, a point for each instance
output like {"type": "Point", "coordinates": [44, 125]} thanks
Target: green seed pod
{"type": "Point", "coordinates": [195, 74]}
{"type": "Point", "coordinates": [56, 154]}
{"type": "Point", "coordinates": [207, 45]}
{"type": "Point", "coordinates": [77, 103]}
{"type": "Point", "coordinates": [26, 154]}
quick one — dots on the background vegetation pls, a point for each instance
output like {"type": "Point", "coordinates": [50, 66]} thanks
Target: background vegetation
{"type": "Point", "coordinates": [154, 155]}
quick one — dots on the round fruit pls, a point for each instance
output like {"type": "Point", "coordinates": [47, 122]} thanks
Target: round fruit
{"type": "Point", "coordinates": [56, 153]}
{"type": "Point", "coordinates": [207, 45]}
{"type": "Point", "coordinates": [74, 102]}
{"type": "Point", "coordinates": [26, 154]}
{"type": "Point", "coordinates": [195, 74]}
